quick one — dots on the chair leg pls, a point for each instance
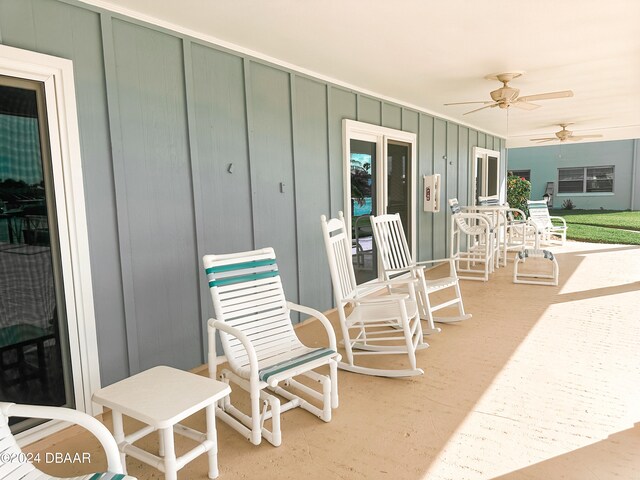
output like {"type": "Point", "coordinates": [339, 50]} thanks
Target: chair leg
{"type": "Point", "coordinates": [333, 373]}
{"type": "Point", "coordinates": [256, 428]}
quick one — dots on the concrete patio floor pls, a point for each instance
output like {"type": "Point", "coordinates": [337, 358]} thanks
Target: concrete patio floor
{"type": "Point", "coordinates": [542, 382]}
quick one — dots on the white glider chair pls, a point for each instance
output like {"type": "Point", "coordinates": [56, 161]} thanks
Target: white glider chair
{"type": "Point", "coordinates": [474, 243]}
{"type": "Point", "coordinates": [550, 234]}
{"type": "Point", "coordinates": [14, 467]}
{"type": "Point", "coordinates": [374, 325]}
{"type": "Point", "coordinates": [261, 346]}
{"type": "Point", "coordinates": [396, 260]}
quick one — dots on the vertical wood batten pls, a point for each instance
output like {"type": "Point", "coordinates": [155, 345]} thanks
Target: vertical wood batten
{"type": "Point", "coordinates": [246, 63]}
{"type": "Point", "coordinates": [119, 177]}
{"type": "Point", "coordinates": [296, 233]}
{"type": "Point", "coordinates": [194, 167]}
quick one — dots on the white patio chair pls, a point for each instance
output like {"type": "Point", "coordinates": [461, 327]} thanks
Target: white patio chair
{"type": "Point", "coordinates": [261, 346]}
{"type": "Point", "coordinates": [550, 234]}
{"type": "Point", "coordinates": [520, 231]}
{"type": "Point", "coordinates": [475, 256]}
{"type": "Point", "coordinates": [378, 325]}
{"type": "Point", "coordinates": [396, 260]}
{"type": "Point", "coordinates": [14, 465]}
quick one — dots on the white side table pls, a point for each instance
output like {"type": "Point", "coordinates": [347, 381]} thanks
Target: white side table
{"type": "Point", "coordinates": [161, 397]}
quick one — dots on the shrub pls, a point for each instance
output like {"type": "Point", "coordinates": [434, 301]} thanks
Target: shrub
{"type": "Point", "coordinates": [518, 192]}
{"type": "Point", "coordinates": [568, 204]}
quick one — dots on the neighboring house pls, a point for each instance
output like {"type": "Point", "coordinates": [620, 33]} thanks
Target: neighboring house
{"type": "Point", "coordinates": [188, 148]}
{"type": "Point", "coordinates": [592, 175]}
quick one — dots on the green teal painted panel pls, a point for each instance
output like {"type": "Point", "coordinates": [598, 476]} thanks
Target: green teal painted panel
{"type": "Point", "coordinates": [464, 154]}
{"type": "Point", "coordinates": [440, 166]}
{"type": "Point", "coordinates": [410, 120]}
{"type": "Point", "coordinates": [545, 161]}
{"type": "Point", "coordinates": [312, 190]}
{"type": "Point", "coordinates": [425, 167]}
{"type": "Point", "coordinates": [272, 180]}
{"type": "Point", "coordinates": [220, 132]}
{"type": "Point", "coordinates": [342, 104]}
{"type": "Point", "coordinates": [452, 175]}
{"type": "Point", "coordinates": [164, 264]}
{"type": "Point", "coordinates": [17, 25]}
{"type": "Point", "coordinates": [482, 140]}
{"type": "Point", "coordinates": [391, 116]}
{"type": "Point", "coordinates": [369, 110]}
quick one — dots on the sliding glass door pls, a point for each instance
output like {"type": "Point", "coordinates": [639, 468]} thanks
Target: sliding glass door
{"type": "Point", "coordinates": [379, 174]}
{"type": "Point", "coordinates": [34, 348]}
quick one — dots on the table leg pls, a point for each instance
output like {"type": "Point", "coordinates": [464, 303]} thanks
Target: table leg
{"type": "Point", "coordinates": [213, 438]}
{"type": "Point", "coordinates": [170, 465]}
{"type": "Point", "coordinates": [118, 434]}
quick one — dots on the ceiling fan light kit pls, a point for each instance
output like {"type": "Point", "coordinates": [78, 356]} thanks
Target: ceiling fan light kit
{"type": "Point", "coordinates": [564, 135]}
{"type": "Point", "coordinates": [506, 96]}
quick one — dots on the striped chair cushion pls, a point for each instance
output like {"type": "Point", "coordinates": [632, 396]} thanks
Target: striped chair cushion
{"type": "Point", "coordinates": [108, 476]}
{"type": "Point", "coordinates": [267, 372]}
{"type": "Point", "coordinates": [221, 275]}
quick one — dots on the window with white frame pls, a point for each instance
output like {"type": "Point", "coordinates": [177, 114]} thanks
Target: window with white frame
{"type": "Point", "coordinates": [585, 180]}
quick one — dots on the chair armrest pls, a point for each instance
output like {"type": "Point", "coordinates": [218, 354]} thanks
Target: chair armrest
{"type": "Point", "coordinates": [477, 216]}
{"type": "Point", "coordinates": [437, 260]}
{"type": "Point", "coordinates": [323, 320]}
{"type": "Point", "coordinates": [387, 283]}
{"type": "Point", "coordinates": [244, 340]}
{"type": "Point", "coordinates": [391, 298]}
{"type": "Point", "coordinates": [97, 429]}
{"type": "Point", "coordinates": [564, 223]}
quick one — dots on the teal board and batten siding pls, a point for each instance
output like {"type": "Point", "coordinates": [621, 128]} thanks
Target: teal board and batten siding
{"type": "Point", "coordinates": [188, 149]}
{"type": "Point", "coordinates": [545, 161]}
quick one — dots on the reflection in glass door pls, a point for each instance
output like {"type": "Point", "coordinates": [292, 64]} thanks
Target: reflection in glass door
{"type": "Point", "coordinates": [364, 197]}
{"type": "Point", "coordinates": [34, 350]}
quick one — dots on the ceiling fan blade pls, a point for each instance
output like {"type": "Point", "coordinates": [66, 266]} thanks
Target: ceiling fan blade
{"type": "Point", "coordinates": [525, 105]}
{"type": "Point", "coordinates": [541, 140]}
{"type": "Point", "coordinates": [481, 108]}
{"type": "Point", "coordinates": [467, 103]}
{"type": "Point", "coordinates": [589, 136]}
{"type": "Point", "coordinates": [546, 96]}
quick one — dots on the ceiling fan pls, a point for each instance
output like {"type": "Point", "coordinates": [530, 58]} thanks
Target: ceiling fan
{"type": "Point", "coordinates": [564, 135]}
{"type": "Point", "coordinates": [506, 96]}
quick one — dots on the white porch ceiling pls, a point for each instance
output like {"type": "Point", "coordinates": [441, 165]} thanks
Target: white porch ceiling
{"type": "Point", "coordinates": [427, 53]}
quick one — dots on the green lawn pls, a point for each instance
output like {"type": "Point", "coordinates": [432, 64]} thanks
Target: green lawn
{"type": "Point", "coordinates": [602, 226]}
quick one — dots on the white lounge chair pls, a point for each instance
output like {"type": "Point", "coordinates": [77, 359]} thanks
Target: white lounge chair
{"type": "Point", "coordinates": [550, 234]}
{"type": "Point", "coordinates": [15, 467]}
{"type": "Point", "coordinates": [378, 325]}
{"type": "Point", "coordinates": [475, 257]}
{"type": "Point", "coordinates": [396, 260]}
{"type": "Point", "coordinates": [261, 346]}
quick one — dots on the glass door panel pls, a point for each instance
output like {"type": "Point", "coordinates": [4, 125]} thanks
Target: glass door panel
{"type": "Point", "coordinates": [34, 351]}
{"type": "Point", "coordinates": [492, 176]}
{"type": "Point", "coordinates": [364, 184]}
{"type": "Point", "coordinates": [398, 187]}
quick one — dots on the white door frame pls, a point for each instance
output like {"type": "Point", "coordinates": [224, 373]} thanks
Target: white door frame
{"type": "Point", "coordinates": [57, 76]}
{"type": "Point", "coordinates": [484, 153]}
{"type": "Point", "coordinates": [353, 130]}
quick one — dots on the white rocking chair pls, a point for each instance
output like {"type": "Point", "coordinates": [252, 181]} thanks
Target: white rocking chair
{"type": "Point", "coordinates": [550, 234]}
{"type": "Point", "coordinates": [15, 467]}
{"type": "Point", "coordinates": [379, 325]}
{"type": "Point", "coordinates": [396, 260]}
{"type": "Point", "coordinates": [475, 258]}
{"type": "Point", "coordinates": [261, 346]}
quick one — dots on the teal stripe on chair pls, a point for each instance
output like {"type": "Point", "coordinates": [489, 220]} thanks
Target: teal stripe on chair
{"type": "Point", "coordinates": [242, 278]}
{"type": "Point", "coordinates": [241, 266]}
{"type": "Point", "coordinates": [268, 372]}
{"type": "Point", "coordinates": [108, 476]}
{"type": "Point", "coordinates": [538, 205]}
